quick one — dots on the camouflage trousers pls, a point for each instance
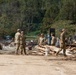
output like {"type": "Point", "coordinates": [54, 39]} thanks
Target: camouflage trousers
{"type": "Point", "coordinates": [22, 49]}
{"type": "Point", "coordinates": [17, 48]}
{"type": "Point", "coordinates": [62, 47]}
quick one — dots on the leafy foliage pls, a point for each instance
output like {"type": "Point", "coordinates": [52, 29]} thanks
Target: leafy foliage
{"type": "Point", "coordinates": [70, 28]}
{"type": "Point", "coordinates": [34, 15]}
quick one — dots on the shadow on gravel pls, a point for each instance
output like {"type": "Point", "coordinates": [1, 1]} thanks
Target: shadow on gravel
{"type": "Point", "coordinates": [62, 58]}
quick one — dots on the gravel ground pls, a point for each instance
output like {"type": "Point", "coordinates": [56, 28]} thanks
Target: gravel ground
{"type": "Point", "coordinates": [37, 65]}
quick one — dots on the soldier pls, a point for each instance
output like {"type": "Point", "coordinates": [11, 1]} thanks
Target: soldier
{"type": "Point", "coordinates": [41, 40]}
{"type": "Point", "coordinates": [62, 42]}
{"type": "Point", "coordinates": [17, 40]}
{"type": "Point", "coordinates": [22, 43]}
{"type": "Point", "coordinates": [53, 41]}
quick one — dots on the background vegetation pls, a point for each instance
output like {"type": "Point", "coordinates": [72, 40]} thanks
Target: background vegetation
{"type": "Point", "coordinates": [35, 16]}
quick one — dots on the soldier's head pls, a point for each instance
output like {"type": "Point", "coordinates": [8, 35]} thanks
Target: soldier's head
{"type": "Point", "coordinates": [42, 35]}
{"type": "Point", "coordinates": [63, 30]}
{"type": "Point", "coordinates": [22, 32]}
{"type": "Point", "coordinates": [18, 30]}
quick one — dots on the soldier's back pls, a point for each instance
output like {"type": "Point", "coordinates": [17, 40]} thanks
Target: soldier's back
{"type": "Point", "coordinates": [22, 39]}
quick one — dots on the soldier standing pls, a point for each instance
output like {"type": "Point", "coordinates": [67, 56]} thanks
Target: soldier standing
{"type": "Point", "coordinates": [53, 41]}
{"type": "Point", "coordinates": [17, 40]}
{"type": "Point", "coordinates": [62, 42]}
{"type": "Point", "coordinates": [22, 43]}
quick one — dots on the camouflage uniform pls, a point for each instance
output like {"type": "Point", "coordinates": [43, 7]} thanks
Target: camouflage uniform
{"type": "Point", "coordinates": [17, 41]}
{"type": "Point", "coordinates": [22, 44]}
{"type": "Point", "coordinates": [41, 40]}
{"type": "Point", "coordinates": [53, 41]}
{"type": "Point", "coordinates": [62, 44]}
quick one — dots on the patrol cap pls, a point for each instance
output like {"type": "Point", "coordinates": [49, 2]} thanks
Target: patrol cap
{"type": "Point", "coordinates": [42, 34]}
{"type": "Point", "coordinates": [63, 30]}
{"type": "Point", "coordinates": [18, 30]}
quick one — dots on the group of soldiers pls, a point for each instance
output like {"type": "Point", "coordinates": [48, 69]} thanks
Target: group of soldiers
{"type": "Point", "coordinates": [42, 42]}
{"type": "Point", "coordinates": [20, 42]}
